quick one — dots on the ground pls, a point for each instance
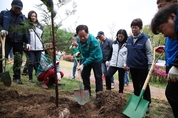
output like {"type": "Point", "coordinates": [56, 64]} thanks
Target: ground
{"type": "Point", "coordinates": [19, 101]}
{"type": "Point", "coordinates": [32, 105]}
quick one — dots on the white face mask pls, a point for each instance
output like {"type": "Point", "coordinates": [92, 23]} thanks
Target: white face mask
{"type": "Point", "coordinates": [74, 46]}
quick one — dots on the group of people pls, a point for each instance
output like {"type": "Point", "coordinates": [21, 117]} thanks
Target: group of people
{"type": "Point", "coordinates": [132, 53]}
{"type": "Point", "coordinates": [25, 35]}
{"type": "Point", "coordinates": [127, 53]}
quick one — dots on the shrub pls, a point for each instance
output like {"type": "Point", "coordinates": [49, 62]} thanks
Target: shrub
{"type": "Point", "coordinates": [68, 58]}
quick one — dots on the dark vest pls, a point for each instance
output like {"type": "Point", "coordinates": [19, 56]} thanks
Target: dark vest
{"type": "Point", "coordinates": [137, 57]}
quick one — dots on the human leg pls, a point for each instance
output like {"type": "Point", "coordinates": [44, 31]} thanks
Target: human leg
{"type": "Point", "coordinates": [172, 96]}
{"type": "Point", "coordinates": [74, 69]}
{"type": "Point", "coordinates": [121, 73]}
{"type": "Point", "coordinates": [31, 56]}
{"type": "Point", "coordinates": [17, 50]}
{"type": "Point", "coordinates": [109, 74]}
{"type": "Point", "coordinates": [98, 76]}
{"type": "Point", "coordinates": [37, 60]}
{"type": "Point", "coordinates": [126, 78]}
{"type": "Point", "coordinates": [85, 74]}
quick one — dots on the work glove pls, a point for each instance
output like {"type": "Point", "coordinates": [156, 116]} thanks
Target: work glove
{"type": "Point", "coordinates": [80, 67]}
{"type": "Point", "coordinates": [4, 32]}
{"type": "Point", "coordinates": [28, 47]}
{"type": "Point", "coordinates": [173, 74]}
{"type": "Point", "coordinates": [58, 76]}
{"type": "Point", "coordinates": [76, 54]}
{"type": "Point", "coordinates": [70, 47]}
{"type": "Point", "coordinates": [160, 49]}
{"type": "Point", "coordinates": [107, 63]}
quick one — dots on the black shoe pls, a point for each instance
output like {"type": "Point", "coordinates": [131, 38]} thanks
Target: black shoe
{"type": "Point", "coordinates": [19, 81]}
{"type": "Point", "coordinates": [96, 100]}
{"type": "Point", "coordinates": [148, 110]}
{"type": "Point", "coordinates": [31, 80]}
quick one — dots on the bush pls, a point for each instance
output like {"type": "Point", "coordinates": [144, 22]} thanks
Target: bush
{"type": "Point", "coordinates": [68, 58]}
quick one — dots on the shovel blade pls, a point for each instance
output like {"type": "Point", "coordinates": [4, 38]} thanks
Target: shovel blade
{"type": "Point", "coordinates": [6, 79]}
{"type": "Point", "coordinates": [136, 107]}
{"type": "Point", "coordinates": [81, 96]}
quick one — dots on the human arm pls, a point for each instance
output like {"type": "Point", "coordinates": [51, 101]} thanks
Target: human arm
{"type": "Point", "coordinates": [149, 53]}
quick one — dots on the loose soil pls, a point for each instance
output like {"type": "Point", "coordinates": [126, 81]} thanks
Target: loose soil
{"type": "Point", "coordinates": [20, 102]}
{"type": "Point", "coordinates": [31, 105]}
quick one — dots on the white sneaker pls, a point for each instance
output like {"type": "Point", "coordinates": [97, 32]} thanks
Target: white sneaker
{"type": "Point", "coordinates": [112, 85]}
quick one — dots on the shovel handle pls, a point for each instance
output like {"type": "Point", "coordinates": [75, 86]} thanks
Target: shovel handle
{"type": "Point", "coordinates": [3, 39]}
{"type": "Point", "coordinates": [151, 69]}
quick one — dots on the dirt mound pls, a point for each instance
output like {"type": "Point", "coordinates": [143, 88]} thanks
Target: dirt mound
{"type": "Point", "coordinates": [15, 105]}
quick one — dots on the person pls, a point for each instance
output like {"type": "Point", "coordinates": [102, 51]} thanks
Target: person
{"type": "Point", "coordinates": [10, 57]}
{"type": "Point", "coordinates": [59, 54]}
{"type": "Point", "coordinates": [90, 49]}
{"type": "Point", "coordinates": [116, 60]}
{"type": "Point", "coordinates": [45, 71]}
{"type": "Point", "coordinates": [106, 45]}
{"type": "Point", "coordinates": [36, 44]}
{"type": "Point", "coordinates": [10, 21]}
{"type": "Point", "coordinates": [77, 59]}
{"type": "Point", "coordinates": [126, 78]}
{"type": "Point", "coordinates": [171, 48]}
{"type": "Point", "coordinates": [139, 58]}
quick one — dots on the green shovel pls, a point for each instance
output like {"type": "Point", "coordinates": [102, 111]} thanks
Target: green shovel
{"type": "Point", "coordinates": [137, 106]}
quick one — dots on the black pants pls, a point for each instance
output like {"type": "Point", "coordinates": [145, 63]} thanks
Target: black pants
{"type": "Point", "coordinates": [17, 51]}
{"type": "Point", "coordinates": [98, 76]}
{"type": "Point", "coordinates": [138, 77]}
{"type": "Point", "coordinates": [110, 73]}
{"type": "Point", "coordinates": [172, 96]}
{"type": "Point", "coordinates": [34, 58]}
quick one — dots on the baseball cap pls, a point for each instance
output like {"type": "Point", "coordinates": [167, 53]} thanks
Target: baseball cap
{"type": "Point", "coordinates": [17, 4]}
{"type": "Point", "coordinates": [100, 33]}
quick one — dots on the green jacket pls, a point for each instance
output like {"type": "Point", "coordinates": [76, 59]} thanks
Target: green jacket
{"type": "Point", "coordinates": [74, 51]}
{"type": "Point", "coordinates": [90, 50]}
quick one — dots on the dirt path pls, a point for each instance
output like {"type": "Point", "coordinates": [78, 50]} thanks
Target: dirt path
{"type": "Point", "coordinates": [157, 93]}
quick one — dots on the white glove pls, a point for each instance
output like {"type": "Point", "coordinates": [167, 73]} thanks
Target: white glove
{"type": "Point", "coordinates": [80, 67]}
{"type": "Point", "coordinates": [58, 76]}
{"type": "Point", "coordinates": [70, 47]}
{"type": "Point", "coordinates": [173, 74]}
{"type": "Point", "coordinates": [28, 47]}
{"type": "Point", "coordinates": [76, 54]}
{"type": "Point", "coordinates": [107, 63]}
{"type": "Point", "coordinates": [4, 32]}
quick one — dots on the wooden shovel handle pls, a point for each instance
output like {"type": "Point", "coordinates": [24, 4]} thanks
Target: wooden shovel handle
{"type": "Point", "coordinates": [3, 39]}
{"type": "Point", "coordinates": [150, 71]}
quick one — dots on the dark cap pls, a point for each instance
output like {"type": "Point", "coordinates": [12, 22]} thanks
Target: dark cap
{"type": "Point", "coordinates": [17, 4]}
{"type": "Point", "coordinates": [100, 33]}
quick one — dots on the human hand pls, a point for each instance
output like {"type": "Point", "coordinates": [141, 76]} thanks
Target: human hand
{"type": "Point", "coordinates": [107, 63]}
{"type": "Point", "coordinates": [160, 49]}
{"type": "Point", "coordinates": [58, 76]}
{"type": "Point", "coordinates": [4, 32]}
{"type": "Point", "coordinates": [126, 68]}
{"type": "Point", "coordinates": [76, 54]}
{"type": "Point", "coordinates": [57, 62]}
{"type": "Point", "coordinates": [28, 47]}
{"type": "Point", "coordinates": [173, 74]}
{"type": "Point", "coordinates": [80, 67]}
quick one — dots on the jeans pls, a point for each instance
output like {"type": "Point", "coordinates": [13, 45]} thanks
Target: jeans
{"type": "Point", "coordinates": [104, 71]}
{"type": "Point", "coordinates": [75, 66]}
{"type": "Point", "coordinates": [126, 78]}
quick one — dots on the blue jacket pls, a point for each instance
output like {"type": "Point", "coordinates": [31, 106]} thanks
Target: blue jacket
{"type": "Point", "coordinates": [8, 19]}
{"type": "Point", "coordinates": [137, 57]}
{"type": "Point", "coordinates": [90, 50]}
{"type": "Point", "coordinates": [171, 52]}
